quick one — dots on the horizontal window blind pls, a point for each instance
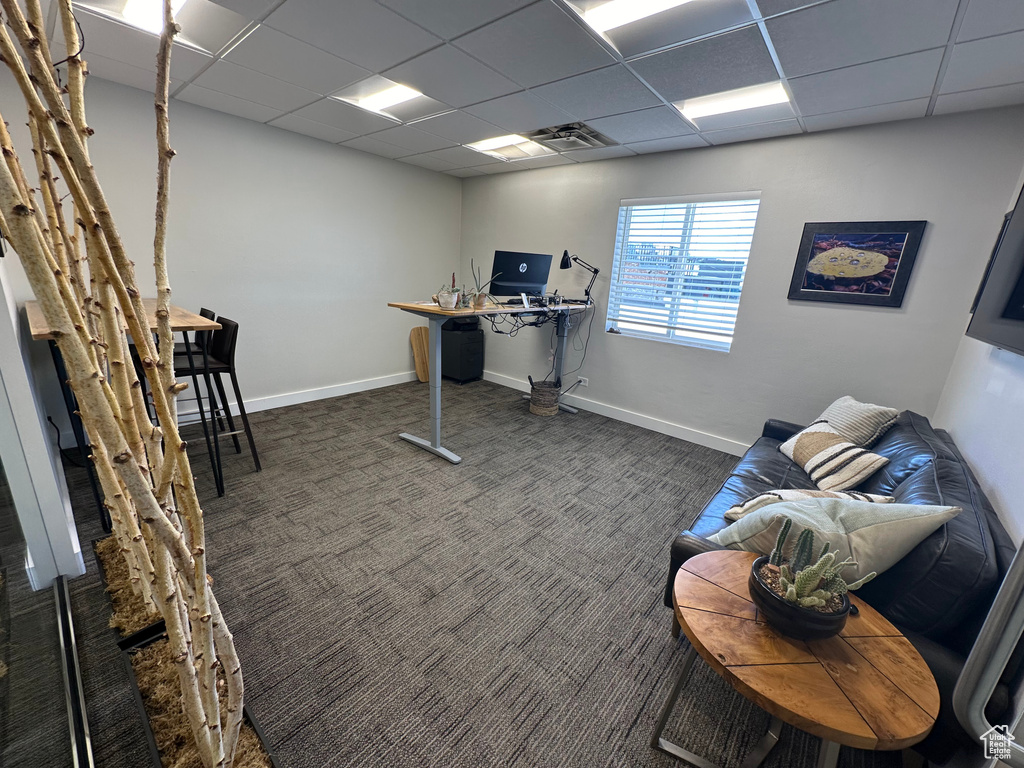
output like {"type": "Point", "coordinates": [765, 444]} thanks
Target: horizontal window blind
{"type": "Point", "coordinates": [678, 269]}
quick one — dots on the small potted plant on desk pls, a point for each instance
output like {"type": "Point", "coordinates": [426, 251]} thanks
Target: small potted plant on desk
{"type": "Point", "coordinates": [802, 597]}
{"type": "Point", "coordinates": [479, 296]}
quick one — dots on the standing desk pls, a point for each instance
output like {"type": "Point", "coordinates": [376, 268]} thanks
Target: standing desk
{"type": "Point", "coordinates": [182, 321]}
{"type": "Point", "coordinates": [436, 316]}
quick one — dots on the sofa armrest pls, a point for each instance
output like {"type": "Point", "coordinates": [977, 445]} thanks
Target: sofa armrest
{"type": "Point", "coordinates": [685, 546]}
{"type": "Point", "coordinates": [780, 430]}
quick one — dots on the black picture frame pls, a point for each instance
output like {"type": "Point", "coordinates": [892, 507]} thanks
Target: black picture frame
{"type": "Point", "coordinates": [859, 247]}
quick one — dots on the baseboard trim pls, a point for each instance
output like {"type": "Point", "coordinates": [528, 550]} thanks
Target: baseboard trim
{"type": "Point", "coordinates": [631, 417]}
{"type": "Point", "coordinates": [191, 415]}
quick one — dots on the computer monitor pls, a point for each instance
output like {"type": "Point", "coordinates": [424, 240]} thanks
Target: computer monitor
{"type": "Point", "coordinates": [514, 273]}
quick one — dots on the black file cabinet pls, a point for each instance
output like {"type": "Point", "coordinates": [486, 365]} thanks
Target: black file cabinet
{"type": "Point", "coordinates": [462, 350]}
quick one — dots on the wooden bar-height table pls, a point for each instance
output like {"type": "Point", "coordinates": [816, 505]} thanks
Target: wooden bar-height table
{"type": "Point", "coordinates": [437, 317]}
{"type": "Point", "coordinates": [182, 321]}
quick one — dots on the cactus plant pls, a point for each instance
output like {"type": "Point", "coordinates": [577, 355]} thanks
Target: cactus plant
{"type": "Point", "coordinates": [806, 583]}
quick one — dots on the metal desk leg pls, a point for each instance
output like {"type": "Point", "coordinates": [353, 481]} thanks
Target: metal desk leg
{"type": "Point", "coordinates": [434, 444]}
{"type": "Point", "coordinates": [562, 333]}
{"type": "Point", "coordinates": [79, 431]}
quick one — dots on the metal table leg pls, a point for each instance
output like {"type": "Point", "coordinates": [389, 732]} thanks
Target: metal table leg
{"type": "Point", "coordinates": [752, 760]}
{"type": "Point", "coordinates": [79, 431]}
{"type": "Point", "coordinates": [562, 333]}
{"type": "Point", "coordinates": [434, 444]}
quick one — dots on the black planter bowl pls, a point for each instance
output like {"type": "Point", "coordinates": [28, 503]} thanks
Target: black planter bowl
{"type": "Point", "coordinates": [790, 619]}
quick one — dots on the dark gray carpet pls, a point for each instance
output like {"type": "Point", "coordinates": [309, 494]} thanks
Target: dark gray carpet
{"type": "Point", "coordinates": [392, 609]}
{"type": "Point", "coordinates": [33, 717]}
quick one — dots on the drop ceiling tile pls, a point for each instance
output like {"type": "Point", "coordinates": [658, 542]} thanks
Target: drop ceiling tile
{"type": "Point", "coordinates": [312, 128]}
{"type": "Point", "coordinates": [538, 44]}
{"type": "Point", "coordinates": [460, 127]}
{"type": "Point", "coordinates": [647, 124]}
{"type": "Point", "coordinates": [985, 98]}
{"type": "Point", "coordinates": [461, 157]}
{"type": "Point", "coordinates": [448, 74]}
{"type": "Point", "coordinates": [412, 139]}
{"type": "Point", "coordinates": [772, 7]}
{"type": "Point", "coordinates": [120, 42]}
{"type": "Point", "coordinates": [753, 132]}
{"type": "Point", "coordinates": [767, 114]}
{"type": "Point", "coordinates": [454, 17]}
{"type": "Point", "coordinates": [252, 9]}
{"type": "Point", "coordinates": [464, 173]}
{"type": "Point", "coordinates": [877, 82]}
{"type": "Point", "coordinates": [491, 170]}
{"type": "Point", "coordinates": [723, 63]}
{"type": "Point", "coordinates": [607, 91]}
{"type": "Point", "coordinates": [208, 25]}
{"type": "Point", "coordinates": [901, 110]}
{"type": "Point", "coordinates": [276, 54]}
{"type": "Point", "coordinates": [428, 162]}
{"type": "Point", "coordinates": [221, 102]}
{"type": "Point", "coordinates": [985, 63]}
{"type": "Point", "coordinates": [847, 32]}
{"type": "Point", "coordinates": [668, 145]}
{"type": "Point", "coordinates": [520, 112]}
{"type": "Point", "coordinates": [598, 153]}
{"type": "Point", "coordinates": [254, 86]}
{"type": "Point", "coordinates": [345, 116]}
{"type": "Point", "coordinates": [126, 74]}
{"type": "Point", "coordinates": [991, 17]}
{"type": "Point", "coordinates": [675, 25]}
{"type": "Point", "coordinates": [359, 31]}
{"type": "Point", "coordinates": [366, 144]}
{"type": "Point", "coordinates": [536, 162]}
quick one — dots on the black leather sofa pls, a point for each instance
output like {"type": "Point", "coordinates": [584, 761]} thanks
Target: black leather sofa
{"type": "Point", "coordinates": [939, 594]}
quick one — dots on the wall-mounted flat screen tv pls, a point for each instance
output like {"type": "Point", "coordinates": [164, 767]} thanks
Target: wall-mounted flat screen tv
{"type": "Point", "coordinates": [998, 317]}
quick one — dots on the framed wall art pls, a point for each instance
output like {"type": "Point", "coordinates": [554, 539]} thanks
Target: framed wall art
{"type": "Point", "coordinates": [856, 262]}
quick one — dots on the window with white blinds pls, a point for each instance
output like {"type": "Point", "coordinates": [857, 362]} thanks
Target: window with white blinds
{"type": "Point", "coordinates": [679, 268]}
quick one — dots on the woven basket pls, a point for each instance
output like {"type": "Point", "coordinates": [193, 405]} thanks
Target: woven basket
{"type": "Point", "coordinates": [544, 398]}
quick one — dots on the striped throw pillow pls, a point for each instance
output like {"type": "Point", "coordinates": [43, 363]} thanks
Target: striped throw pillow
{"type": "Point", "coordinates": [799, 494]}
{"type": "Point", "coordinates": [860, 423]}
{"type": "Point", "coordinates": [831, 461]}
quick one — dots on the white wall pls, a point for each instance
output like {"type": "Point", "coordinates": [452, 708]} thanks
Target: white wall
{"type": "Point", "coordinates": [789, 359]}
{"type": "Point", "coordinates": [302, 242]}
{"type": "Point", "coordinates": [982, 406]}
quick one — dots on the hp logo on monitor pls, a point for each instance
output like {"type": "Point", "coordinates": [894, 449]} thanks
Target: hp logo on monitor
{"type": "Point", "coordinates": [522, 267]}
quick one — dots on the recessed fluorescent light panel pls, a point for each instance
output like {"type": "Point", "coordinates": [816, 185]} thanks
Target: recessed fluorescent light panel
{"type": "Point", "coordinates": [391, 99]}
{"type": "Point", "coordinates": [604, 17]}
{"type": "Point", "coordinates": [148, 15]}
{"type": "Point", "coordinates": [511, 147]}
{"type": "Point", "coordinates": [740, 99]}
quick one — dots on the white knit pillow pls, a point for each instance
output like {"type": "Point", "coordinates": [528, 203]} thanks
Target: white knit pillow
{"type": "Point", "coordinates": [860, 423]}
{"type": "Point", "coordinates": [831, 461]}
{"type": "Point", "coordinates": [797, 494]}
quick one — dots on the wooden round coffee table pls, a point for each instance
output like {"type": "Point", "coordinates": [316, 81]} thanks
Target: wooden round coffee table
{"type": "Point", "coordinates": [867, 687]}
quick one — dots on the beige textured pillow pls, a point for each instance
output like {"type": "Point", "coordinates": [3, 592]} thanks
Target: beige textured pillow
{"type": "Point", "coordinates": [797, 494]}
{"type": "Point", "coordinates": [860, 423]}
{"type": "Point", "coordinates": [877, 536]}
{"type": "Point", "coordinates": [831, 461]}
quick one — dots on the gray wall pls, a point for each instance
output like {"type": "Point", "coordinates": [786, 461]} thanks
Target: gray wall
{"type": "Point", "coordinates": [302, 242]}
{"type": "Point", "coordinates": [982, 406]}
{"type": "Point", "coordinates": [789, 359]}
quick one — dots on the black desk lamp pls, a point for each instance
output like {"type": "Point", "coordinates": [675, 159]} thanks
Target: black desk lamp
{"type": "Point", "coordinates": [567, 261]}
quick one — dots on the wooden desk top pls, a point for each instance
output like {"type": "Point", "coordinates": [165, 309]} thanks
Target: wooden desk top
{"type": "Point", "coordinates": [866, 688]}
{"type": "Point", "coordinates": [181, 319]}
{"type": "Point", "coordinates": [430, 308]}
